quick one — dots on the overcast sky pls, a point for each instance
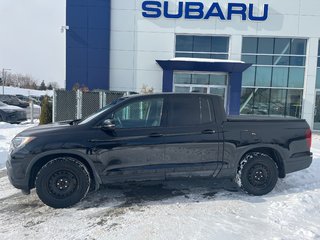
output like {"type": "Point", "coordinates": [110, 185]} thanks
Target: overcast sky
{"type": "Point", "coordinates": [30, 38]}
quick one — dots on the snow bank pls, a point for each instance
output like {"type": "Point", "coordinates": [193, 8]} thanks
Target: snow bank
{"type": "Point", "coordinates": [26, 92]}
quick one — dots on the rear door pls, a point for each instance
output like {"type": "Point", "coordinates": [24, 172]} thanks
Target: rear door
{"type": "Point", "coordinates": [193, 145]}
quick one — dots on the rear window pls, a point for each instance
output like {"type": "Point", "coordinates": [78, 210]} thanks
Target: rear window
{"type": "Point", "coordinates": [190, 111]}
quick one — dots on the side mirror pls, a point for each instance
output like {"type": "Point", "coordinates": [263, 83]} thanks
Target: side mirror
{"type": "Point", "coordinates": [109, 124]}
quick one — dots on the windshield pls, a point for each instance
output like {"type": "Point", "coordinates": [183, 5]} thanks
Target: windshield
{"type": "Point", "coordinates": [101, 111]}
{"type": "Point", "coordinates": [2, 104]}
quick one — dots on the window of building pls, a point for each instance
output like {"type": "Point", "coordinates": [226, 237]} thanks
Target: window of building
{"type": "Point", "coordinates": [316, 125]}
{"type": "Point", "coordinates": [214, 47]}
{"type": "Point", "coordinates": [273, 85]}
{"type": "Point", "coordinates": [202, 82]}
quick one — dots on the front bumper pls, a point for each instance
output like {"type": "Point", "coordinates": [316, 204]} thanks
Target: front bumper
{"type": "Point", "coordinates": [16, 171]}
{"type": "Point", "coordinates": [298, 163]}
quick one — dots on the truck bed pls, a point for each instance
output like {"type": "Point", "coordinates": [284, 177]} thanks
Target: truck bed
{"type": "Point", "coordinates": [259, 118]}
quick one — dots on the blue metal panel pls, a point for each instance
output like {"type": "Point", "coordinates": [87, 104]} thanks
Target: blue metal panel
{"type": "Point", "coordinates": [88, 43]}
{"type": "Point", "coordinates": [77, 16]}
{"type": "Point", "coordinates": [78, 75]}
{"type": "Point", "coordinates": [89, 2]}
{"type": "Point", "coordinates": [203, 66]}
{"type": "Point", "coordinates": [97, 38]}
{"type": "Point", "coordinates": [99, 78]}
{"type": "Point", "coordinates": [77, 2]}
{"type": "Point", "coordinates": [167, 81]}
{"type": "Point", "coordinates": [234, 93]}
{"type": "Point", "coordinates": [98, 17]}
{"type": "Point", "coordinates": [77, 57]}
{"type": "Point", "coordinates": [98, 2]}
{"type": "Point", "coordinates": [97, 58]}
{"type": "Point", "coordinates": [77, 38]}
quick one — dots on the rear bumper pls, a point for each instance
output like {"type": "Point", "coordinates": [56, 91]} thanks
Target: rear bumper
{"type": "Point", "coordinates": [298, 163]}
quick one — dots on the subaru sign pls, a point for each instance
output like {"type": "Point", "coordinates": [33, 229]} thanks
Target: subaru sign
{"type": "Point", "coordinates": [197, 10]}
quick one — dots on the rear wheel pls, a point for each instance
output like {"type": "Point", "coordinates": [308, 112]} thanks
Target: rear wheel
{"type": "Point", "coordinates": [257, 174]}
{"type": "Point", "coordinates": [62, 182]}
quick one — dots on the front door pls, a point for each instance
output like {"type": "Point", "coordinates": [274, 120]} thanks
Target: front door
{"type": "Point", "coordinates": [135, 149]}
{"type": "Point", "coordinates": [193, 142]}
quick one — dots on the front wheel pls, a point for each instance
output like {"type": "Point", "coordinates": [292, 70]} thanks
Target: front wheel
{"type": "Point", "coordinates": [257, 174]}
{"type": "Point", "coordinates": [62, 182]}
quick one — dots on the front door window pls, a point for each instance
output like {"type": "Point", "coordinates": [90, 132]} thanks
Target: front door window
{"type": "Point", "coordinates": [140, 114]}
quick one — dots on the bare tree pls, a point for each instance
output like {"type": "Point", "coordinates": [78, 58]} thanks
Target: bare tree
{"type": "Point", "coordinates": [146, 89]}
{"type": "Point", "coordinates": [54, 85]}
{"type": "Point", "coordinates": [20, 80]}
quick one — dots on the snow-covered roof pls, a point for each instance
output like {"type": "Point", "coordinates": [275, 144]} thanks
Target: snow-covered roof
{"type": "Point", "coordinates": [208, 60]}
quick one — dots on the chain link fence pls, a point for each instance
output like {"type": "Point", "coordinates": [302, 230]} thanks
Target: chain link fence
{"type": "Point", "coordinates": [70, 105]}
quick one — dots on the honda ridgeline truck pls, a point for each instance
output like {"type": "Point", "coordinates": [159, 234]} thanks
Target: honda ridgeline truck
{"type": "Point", "coordinates": [157, 137]}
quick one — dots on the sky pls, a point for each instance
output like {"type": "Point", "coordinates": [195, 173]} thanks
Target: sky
{"type": "Point", "coordinates": [30, 38]}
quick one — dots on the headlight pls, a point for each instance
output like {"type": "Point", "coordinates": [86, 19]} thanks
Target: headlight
{"type": "Point", "coordinates": [20, 141]}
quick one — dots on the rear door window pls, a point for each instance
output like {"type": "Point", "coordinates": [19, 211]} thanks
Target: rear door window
{"type": "Point", "coordinates": [189, 111]}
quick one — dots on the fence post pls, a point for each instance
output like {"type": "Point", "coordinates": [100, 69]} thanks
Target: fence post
{"type": "Point", "coordinates": [79, 105]}
{"type": "Point", "coordinates": [54, 105]}
{"type": "Point", "coordinates": [31, 111]}
{"type": "Point", "coordinates": [104, 99]}
{"type": "Point", "coordinates": [101, 100]}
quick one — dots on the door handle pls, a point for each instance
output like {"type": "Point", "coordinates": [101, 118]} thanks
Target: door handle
{"type": "Point", "coordinates": [208, 131]}
{"type": "Point", "coordinates": [155, 135]}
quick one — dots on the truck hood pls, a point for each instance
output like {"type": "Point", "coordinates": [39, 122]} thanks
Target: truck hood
{"type": "Point", "coordinates": [56, 128]}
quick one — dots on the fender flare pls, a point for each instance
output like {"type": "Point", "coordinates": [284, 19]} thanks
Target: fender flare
{"type": "Point", "coordinates": [40, 156]}
{"type": "Point", "coordinates": [282, 154]}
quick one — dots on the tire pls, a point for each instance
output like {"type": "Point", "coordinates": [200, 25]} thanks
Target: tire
{"type": "Point", "coordinates": [62, 182]}
{"type": "Point", "coordinates": [257, 174]}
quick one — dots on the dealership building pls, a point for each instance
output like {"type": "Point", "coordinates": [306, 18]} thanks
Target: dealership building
{"type": "Point", "coordinates": [261, 56]}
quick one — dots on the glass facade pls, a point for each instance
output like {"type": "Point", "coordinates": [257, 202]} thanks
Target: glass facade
{"type": "Point", "coordinates": [316, 125]}
{"type": "Point", "coordinates": [214, 47]}
{"type": "Point", "coordinates": [215, 83]}
{"type": "Point", "coordinates": [273, 85]}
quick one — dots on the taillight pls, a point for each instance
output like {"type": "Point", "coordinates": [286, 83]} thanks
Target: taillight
{"type": "Point", "coordinates": [309, 137]}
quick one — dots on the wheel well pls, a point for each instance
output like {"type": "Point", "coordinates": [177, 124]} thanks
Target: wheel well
{"type": "Point", "coordinates": [44, 160]}
{"type": "Point", "coordinates": [273, 154]}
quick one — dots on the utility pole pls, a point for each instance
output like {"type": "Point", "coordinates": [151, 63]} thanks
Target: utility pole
{"type": "Point", "coordinates": [3, 78]}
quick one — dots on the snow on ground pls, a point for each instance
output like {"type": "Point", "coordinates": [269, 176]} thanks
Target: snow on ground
{"type": "Point", "coordinates": [26, 92]}
{"type": "Point", "coordinates": [7, 132]}
{"type": "Point", "coordinates": [176, 210]}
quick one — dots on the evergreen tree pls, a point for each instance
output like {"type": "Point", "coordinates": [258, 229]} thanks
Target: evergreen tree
{"type": "Point", "coordinates": [46, 111]}
{"type": "Point", "coordinates": [42, 86]}
{"type": "Point", "coordinates": [50, 87]}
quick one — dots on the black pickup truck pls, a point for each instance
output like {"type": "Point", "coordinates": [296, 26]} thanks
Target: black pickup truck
{"type": "Point", "coordinates": [157, 137]}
